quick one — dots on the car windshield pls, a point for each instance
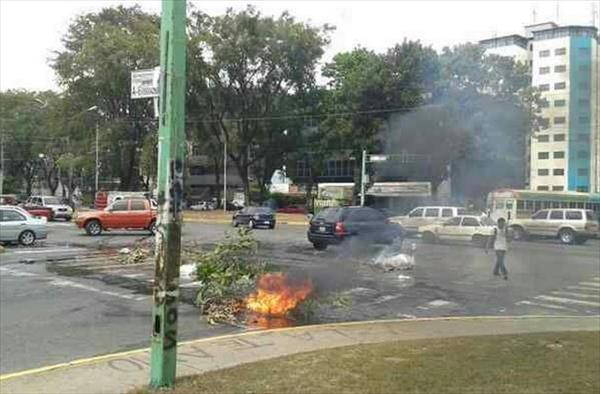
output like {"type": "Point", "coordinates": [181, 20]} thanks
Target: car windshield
{"type": "Point", "coordinates": [408, 190]}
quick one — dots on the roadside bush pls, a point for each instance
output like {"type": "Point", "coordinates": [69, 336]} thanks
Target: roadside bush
{"type": "Point", "coordinates": [284, 200]}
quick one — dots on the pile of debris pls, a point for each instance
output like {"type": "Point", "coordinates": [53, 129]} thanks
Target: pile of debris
{"type": "Point", "coordinates": [394, 260]}
{"type": "Point", "coordinates": [138, 255]}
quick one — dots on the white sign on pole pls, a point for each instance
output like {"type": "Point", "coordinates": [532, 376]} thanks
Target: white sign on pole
{"type": "Point", "coordinates": [378, 157]}
{"type": "Point", "coordinates": [144, 83]}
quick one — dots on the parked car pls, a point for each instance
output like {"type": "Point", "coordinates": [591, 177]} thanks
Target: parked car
{"type": "Point", "coordinates": [17, 225]}
{"type": "Point", "coordinates": [254, 217]}
{"type": "Point", "coordinates": [292, 209]}
{"type": "Point", "coordinates": [130, 214]}
{"type": "Point", "coordinates": [422, 216]}
{"type": "Point", "coordinates": [475, 229]}
{"type": "Point", "coordinates": [568, 225]}
{"type": "Point", "coordinates": [336, 224]}
{"type": "Point", "coordinates": [59, 210]}
{"type": "Point", "coordinates": [204, 206]}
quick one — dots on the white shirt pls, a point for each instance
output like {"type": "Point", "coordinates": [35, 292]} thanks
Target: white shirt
{"type": "Point", "coordinates": [501, 242]}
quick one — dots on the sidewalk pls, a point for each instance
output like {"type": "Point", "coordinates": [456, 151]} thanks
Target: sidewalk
{"type": "Point", "coordinates": [218, 216]}
{"type": "Point", "coordinates": [118, 373]}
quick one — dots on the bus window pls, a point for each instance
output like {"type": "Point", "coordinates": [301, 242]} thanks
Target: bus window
{"type": "Point", "coordinates": [509, 205]}
{"type": "Point", "coordinates": [520, 204]}
{"type": "Point", "coordinates": [499, 204]}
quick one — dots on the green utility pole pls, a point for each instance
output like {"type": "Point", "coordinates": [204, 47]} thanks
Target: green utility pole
{"type": "Point", "coordinates": [171, 154]}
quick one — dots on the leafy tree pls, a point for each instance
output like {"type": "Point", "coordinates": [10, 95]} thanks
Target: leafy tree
{"type": "Point", "coordinates": [250, 65]}
{"type": "Point", "coordinates": [100, 51]}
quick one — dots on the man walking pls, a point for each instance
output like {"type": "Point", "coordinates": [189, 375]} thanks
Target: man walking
{"type": "Point", "coordinates": [499, 241]}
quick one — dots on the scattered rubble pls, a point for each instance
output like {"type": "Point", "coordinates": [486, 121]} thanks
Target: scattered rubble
{"type": "Point", "coordinates": [136, 256]}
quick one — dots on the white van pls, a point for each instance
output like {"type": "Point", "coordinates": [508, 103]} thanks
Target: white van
{"type": "Point", "coordinates": [423, 216]}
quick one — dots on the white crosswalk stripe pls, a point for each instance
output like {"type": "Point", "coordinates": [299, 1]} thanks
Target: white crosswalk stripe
{"type": "Point", "coordinates": [561, 300]}
{"type": "Point", "coordinates": [577, 295]}
{"type": "Point", "coordinates": [591, 284]}
{"type": "Point", "coordinates": [548, 306]}
{"type": "Point", "coordinates": [583, 288]}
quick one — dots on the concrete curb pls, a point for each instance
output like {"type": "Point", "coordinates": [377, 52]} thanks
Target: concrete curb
{"type": "Point", "coordinates": [123, 371]}
{"type": "Point", "coordinates": [219, 221]}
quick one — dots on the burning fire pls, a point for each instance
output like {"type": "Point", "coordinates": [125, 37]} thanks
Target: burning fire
{"type": "Point", "coordinates": [277, 295]}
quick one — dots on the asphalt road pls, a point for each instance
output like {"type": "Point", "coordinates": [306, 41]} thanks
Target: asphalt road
{"type": "Point", "coordinates": [69, 298]}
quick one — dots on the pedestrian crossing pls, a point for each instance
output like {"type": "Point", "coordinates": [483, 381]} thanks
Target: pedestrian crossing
{"type": "Point", "coordinates": [583, 297]}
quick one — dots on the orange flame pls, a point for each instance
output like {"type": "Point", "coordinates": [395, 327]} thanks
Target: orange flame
{"type": "Point", "coordinates": [276, 296]}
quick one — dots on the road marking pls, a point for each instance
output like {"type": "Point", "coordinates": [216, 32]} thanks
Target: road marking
{"type": "Point", "coordinates": [592, 289]}
{"type": "Point", "coordinates": [549, 306]}
{"type": "Point", "coordinates": [561, 300]}
{"type": "Point", "coordinates": [68, 283]}
{"type": "Point", "coordinates": [577, 295]}
{"type": "Point", "coordinates": [48, 250]}
{"type": "Point", "coordinates": [592, 284]}
{"type": "Point", "coordinates": [16, 272]}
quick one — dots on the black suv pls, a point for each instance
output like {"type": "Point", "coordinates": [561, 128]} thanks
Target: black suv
{"type": "Point", "coordinates": [334, 225]}
{"type": "Point", "coordinates": [254, 217]}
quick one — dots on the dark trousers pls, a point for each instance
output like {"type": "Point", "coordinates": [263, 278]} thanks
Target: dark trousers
{"type": "Point", "coordinates": [500, 268]}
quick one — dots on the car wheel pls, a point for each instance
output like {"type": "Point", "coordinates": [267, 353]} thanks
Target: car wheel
{"type": "Point", "coordinates": [27, 238]}
{"type": "Point", "coordinates": [478, 240]}
{"type": "Point", "coordinates": [93, 227]}
{"type": "Point", "coordinates": [319, 246]}
{"type": "Point", "coordinates": [566, 236]}
{"type": "Point", "coordinates": [518, 233]}
{"type": "Point", "coordinates": [152, 227]}
{"type": "Point", "coordinates": [251, 224]}
{"type": "Point", "coordinates": [234, 223]}
{"type": "Point", "coordinates": [429, 237]}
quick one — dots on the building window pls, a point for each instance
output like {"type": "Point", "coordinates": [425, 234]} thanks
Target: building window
{"type": "Point", "coordinates": [544, 123]}
{"type": "Point", "coordinates": [560, 103]}
{"type": "Point", "coordinates": [542, 187]}
{"type": "Point", "coordinates": [559, 154]}
{"type": "Point", "coordinates": [582, 189]}
{"type": "Point", "coordinates": [559, 137]}
{"type": "Point", "coordinates": [544, 70]}
{"type": "Point", "coordinates": [544, 87]}
{"type": "Point", "coordinates": [302, 168]}
{"type": "Point", "coordinates": [560, 69]}
{"type": "Point", "coordinates": [560, 51]}
{"type": "Point", "coordinates": [339, 168]}
{"type": "Point", "coordinates": [583, 52]}
{"type": "Point", "coordinates": [558, 188]}
{"type": "Point", "coordinates": [584, 85]}
{"type": "Point", "coordinates": [583, 102]}
{"type": "Point", "coordinates": [582, 154]}
{"type": "Point", "coordinates": [560, 85]}
{"type": "Point", "coordinates": [543, 155]}
{"type": "Point", "coordinates": [559, 120]}
{"type": "Point", "coordinates": [544, 103]}
{"type": "Point", "coordinates": [583, 119]}
{"type": "Point", "coordinates": [544, 138]}
{"type": "Point", "coordinates": [543, 172]}
{"type": "Point", "coordinates": [545, 53]}
{"type": "Point", "coordinates": [583, 137]}
{"type": "Point", "coordinates": [558, 171]}
{"type": "Point", "coordinates": [583, 172]}
{"type": "Point", "coordinates": [196, 150]}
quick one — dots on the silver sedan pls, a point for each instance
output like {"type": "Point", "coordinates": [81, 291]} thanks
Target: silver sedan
{"type": "Point", "coordinates": [17, 225]}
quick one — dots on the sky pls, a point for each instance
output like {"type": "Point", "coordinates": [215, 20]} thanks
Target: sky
{"type": "Point", "coordinates": [30, 30]}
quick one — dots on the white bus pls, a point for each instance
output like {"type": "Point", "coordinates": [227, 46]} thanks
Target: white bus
{"type": "Point", "coordinates": [513, 203]}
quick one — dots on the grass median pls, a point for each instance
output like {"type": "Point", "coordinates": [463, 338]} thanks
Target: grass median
{"type": "Point", "coordinates": [565, 362]}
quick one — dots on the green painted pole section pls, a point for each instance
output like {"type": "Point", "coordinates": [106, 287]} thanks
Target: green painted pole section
{"type": "Point", "coordinates": [171, 156]}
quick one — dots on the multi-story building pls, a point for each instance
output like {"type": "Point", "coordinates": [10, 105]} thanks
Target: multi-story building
{"type": "Point", "coordinates": [565, 68]}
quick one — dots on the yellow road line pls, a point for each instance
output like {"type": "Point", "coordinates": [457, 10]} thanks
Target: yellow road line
{"type": "Point", "coordinates": [92, 360]}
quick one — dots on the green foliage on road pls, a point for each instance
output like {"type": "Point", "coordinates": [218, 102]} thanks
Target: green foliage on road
{"type": "Point", "coordinates": [565, 362]}
{"type": "Point", "coordinates": [227, 274]}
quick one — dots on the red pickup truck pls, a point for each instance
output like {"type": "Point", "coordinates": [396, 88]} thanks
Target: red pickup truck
{"type": "Point", "coordinates": [130, 214]}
